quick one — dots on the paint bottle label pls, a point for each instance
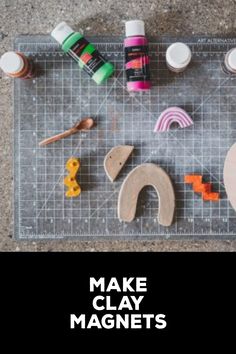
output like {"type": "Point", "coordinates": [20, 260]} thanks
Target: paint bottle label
{"type": "Point", "coordinates": [137, 63]}
{"type": "Point", "coordinates": [87, 56]}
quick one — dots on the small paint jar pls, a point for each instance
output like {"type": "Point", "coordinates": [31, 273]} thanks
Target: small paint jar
{"type": "Point", "coordinates": [17, 65]}
{"type": "Point", "coordinates": [229, 64]}
{"type": "Point", "coordinates": [178, 57]}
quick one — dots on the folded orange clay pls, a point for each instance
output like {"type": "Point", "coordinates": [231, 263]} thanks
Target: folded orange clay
{"type": "Point", "coordinates": [204, 188]}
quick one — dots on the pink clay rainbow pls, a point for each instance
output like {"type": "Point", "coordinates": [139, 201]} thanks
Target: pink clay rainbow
{"type": "Point", "coordinates": [171, 115]}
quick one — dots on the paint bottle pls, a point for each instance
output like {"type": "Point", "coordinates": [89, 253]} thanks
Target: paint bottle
{"type": "Point", "coordinates": [136, 57]}
{"type": "Point", "coordinates": [17, 65]}
{"type": "Point", "coordinates": [178, 57]}
{"type": "Point", "coordinates": [229, 64]}
{"type": "Point", "coordinates": [84, 53]}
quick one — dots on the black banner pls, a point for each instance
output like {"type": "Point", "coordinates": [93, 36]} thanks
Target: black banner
{"type": "Point", "coordinates": [170, 298]}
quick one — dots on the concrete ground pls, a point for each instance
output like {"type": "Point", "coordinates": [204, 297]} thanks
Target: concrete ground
{"type": "Point", "coordinates": [103, 18]}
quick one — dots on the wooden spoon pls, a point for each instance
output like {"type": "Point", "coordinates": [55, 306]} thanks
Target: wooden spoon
{"type": "Point", "coordinates": [84, 124]}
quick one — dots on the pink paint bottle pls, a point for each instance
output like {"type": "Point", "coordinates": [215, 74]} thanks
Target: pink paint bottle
{"type": "Point", "coordinates": [136, 57]}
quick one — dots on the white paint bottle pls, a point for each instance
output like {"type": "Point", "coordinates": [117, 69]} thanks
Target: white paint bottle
{"type": "Point", "coordinates": [178, 57]}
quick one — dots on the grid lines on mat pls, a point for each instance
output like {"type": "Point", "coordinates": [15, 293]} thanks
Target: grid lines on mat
{"type": "Point", "coordinates": [62, 95]}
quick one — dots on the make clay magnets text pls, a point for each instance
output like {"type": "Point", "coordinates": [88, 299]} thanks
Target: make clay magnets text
{"type": "Point", "coordinates": [110, 298]}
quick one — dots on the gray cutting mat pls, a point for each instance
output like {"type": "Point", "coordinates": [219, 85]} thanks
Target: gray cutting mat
{"type": "Point", "coordinates": [62, 94]}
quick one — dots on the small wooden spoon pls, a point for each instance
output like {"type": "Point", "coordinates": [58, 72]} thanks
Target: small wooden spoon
{"type": "Point", "coordinates": [84, 124]}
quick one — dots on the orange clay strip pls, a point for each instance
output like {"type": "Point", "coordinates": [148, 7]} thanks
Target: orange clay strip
{"type": "Point", "coordinates": [202, 188]}
{"type": "Point", "coordinates": [192, 178]}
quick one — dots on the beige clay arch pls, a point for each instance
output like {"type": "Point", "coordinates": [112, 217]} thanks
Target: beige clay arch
{"type": "Point", "coordinates": [147, 174]}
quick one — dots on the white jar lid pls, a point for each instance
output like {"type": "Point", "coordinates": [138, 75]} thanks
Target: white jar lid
{"type": "Point", "coordinates": [61, 32]}
{"type": "Point", "coordinates": [178, 55]}
{"type": "Point", "coordinates": [11, 63]}
{"type": "Point", "coordinates": [134, 28]}
{"type": "Point", "coordinates": [232, 59]}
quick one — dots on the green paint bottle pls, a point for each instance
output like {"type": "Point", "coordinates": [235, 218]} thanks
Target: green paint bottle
{"type": "Point", "coordinates": [83, 52]}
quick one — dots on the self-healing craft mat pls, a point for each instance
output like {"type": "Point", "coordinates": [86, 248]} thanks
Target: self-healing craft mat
{"type": "Point", "coordinates": [62, 95]}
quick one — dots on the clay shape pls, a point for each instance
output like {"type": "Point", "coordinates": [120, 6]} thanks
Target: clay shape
{"type": "Point", "coordinates": [115, 160]}
{"type": "Point", "coordinates": [147, 174]}
{"type": "Point", "coordinates": [230, 175]}
{"type": "Point", "coordinates": [204, 188]}
{"type": "Point", "coordinates": [72, 166]}
{"type": "Point", "coordinates": [171, 115]}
